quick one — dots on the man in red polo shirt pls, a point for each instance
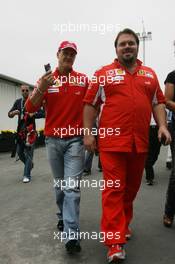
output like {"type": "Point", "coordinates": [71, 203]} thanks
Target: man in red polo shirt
{"type": "Point", "coordinates": [127, 92]}
{"type": "Point", "coordinates": [62, 93]}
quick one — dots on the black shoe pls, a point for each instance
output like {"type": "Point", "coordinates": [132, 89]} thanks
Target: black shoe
{"type": "Point", "coordinates": [167, 221]}
{"type": "Point", "coordinates": [169, 165]}
{"type": "Point", "coordinates": [60, 225]}
{"type": "Point", "coordinates": [150, 182]}
{"type": "Point", "coordinates": [86, 172]}
{"type": "Point", "coordinates": [73, 246]}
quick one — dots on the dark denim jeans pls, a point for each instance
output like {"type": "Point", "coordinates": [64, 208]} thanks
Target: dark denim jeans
{"type": "Point", "coordinates": [153, 152]}
{"type": "Point", "coordinates": [88, 160]}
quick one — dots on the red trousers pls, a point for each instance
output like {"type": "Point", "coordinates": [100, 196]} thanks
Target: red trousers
{"type": "Point", "coordinates": [122, 174]}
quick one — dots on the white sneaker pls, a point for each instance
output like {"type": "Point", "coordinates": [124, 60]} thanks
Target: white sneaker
{"type": "Point", "coordinates": [25, 179]}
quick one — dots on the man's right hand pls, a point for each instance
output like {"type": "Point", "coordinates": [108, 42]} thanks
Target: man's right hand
{"type": "Point", "coordinates": [46, 80]}
{"type": "Point", "coordinates": [90, 143]}
{"type": "Point", "coordinates": [15, 112]}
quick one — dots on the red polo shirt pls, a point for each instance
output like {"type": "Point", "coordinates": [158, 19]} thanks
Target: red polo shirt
{"type": "Point", "coordinates": [63, 105]}
{"type": "Point", "coordinates": [127, 105]}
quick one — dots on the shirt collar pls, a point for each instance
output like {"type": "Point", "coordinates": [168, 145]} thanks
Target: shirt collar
{"type": "Point", "coordinates": [118, 64]}
{"type": "Point", "coordinates": [57, 73]}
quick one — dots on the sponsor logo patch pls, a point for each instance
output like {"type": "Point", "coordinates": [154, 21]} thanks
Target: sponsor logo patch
{"type": "Point", "coordinates": [145, 73]}
{"type": "Point", "coordinates": [149, 75]}
{"type": "Point", "coordinates": [118, 78]}
{"type": "Point", "coordinates": [78, 93]}
{"type": "Point", "coordinates": [110, 72]}
{"type": "Point", "coordinates": [148, 82]}
{"type": "Point", "coordinates": [53, 90]}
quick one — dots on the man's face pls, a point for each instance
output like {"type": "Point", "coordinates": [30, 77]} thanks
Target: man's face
{"type": "Point", "coordinates": [127, 49]}
{"type": "Point", "coordinates": [25, 91]}
{"type": "Point", "coordinates": [66, 58]}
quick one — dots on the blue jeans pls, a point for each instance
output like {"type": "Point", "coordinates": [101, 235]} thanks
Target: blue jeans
{"type": "Point", "coordinates": [66, 158]}
{"type": "Point", "coordinates": [26, 156]}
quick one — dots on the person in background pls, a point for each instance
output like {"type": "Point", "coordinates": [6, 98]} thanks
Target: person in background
{"type": "Point", "coordinates": [153, 152]}
{"type": "Point", "coordinates": [169, 154]}
{"type": "Point", "coordinates": [88, 163]}
{"type": "Point", "coordinates": [89, 156]}
{"type": "Point", "coordinates": [169, 210]}
{"type": "Point", "coordinates": [26, 131]}
{"type": "Point", "coordinates": [169, 158]}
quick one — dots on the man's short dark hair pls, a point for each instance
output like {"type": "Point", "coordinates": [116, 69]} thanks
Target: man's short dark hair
{"type": "Point", "coordinates": [126, 31]}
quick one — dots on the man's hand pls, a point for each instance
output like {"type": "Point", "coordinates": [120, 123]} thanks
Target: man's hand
{"type": "Point", "coordinates": [163, 134]}
{"type": "Point", "coordinates": [31, 114]}
{"type": "Point", "coordinates": [90, 143]}
{"type": "Point", "coordinates": [16, 112]}
{"type": "Point", "coordinates": [13, 113]}
{"type": "Point", "coordinates": [46, 80]}
{"type": "Point", "coordinates": [37, 96]}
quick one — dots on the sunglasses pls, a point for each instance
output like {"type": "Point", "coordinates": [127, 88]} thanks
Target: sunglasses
{"type": "Point", "coordinates": [23, 90]}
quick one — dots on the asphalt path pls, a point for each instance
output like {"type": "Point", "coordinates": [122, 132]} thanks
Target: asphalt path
{"type": "Point", "coordinates": [28, 218]}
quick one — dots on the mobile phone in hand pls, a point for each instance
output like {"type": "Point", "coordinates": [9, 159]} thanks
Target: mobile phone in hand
{"type": "Point", "coordinates": [47, 67]}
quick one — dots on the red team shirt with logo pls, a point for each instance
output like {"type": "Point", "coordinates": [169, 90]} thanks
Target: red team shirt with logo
{"type": "Point", "coordinates": [63, 104]}
{"type": "Point", "coordinates": [126, 105]}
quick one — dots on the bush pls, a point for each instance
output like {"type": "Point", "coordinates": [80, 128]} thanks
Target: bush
{"type": "Point", "coordinates": [7, 139]}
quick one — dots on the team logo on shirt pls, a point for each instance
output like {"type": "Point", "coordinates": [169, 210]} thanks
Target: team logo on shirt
{"type": "Point", "coordinates": [120, 72]}
{"type": "Point", "coordinates": [141, 73]}
{"type": "Point", "coordinates": [57, 83]}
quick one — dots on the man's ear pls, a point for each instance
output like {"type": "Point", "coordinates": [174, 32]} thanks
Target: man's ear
{"type": "Point", "coordinates": [58, 54]}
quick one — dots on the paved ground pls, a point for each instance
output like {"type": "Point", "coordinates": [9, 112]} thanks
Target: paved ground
{"type": "Point", "coordinates": [28, 220]}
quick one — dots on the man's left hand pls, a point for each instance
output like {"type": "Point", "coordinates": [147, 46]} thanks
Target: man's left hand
{"type": "Point", "coordinates": [31, 114]}
{"type": "Point", "coordinates": [163, 134]}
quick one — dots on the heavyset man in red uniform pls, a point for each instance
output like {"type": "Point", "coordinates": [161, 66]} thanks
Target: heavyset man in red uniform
{"type": "Point", "coordinates": [128, 92]}
{"type": "Point", "coordinates": [62, 92]}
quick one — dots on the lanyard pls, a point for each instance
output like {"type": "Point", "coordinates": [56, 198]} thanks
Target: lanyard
{"type": "Point", "coordinates": [22, 109]}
